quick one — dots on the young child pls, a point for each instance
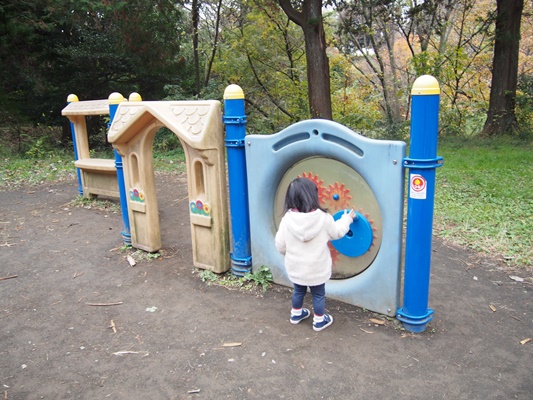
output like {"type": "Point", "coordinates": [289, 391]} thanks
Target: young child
{"type": "Point", "coordinates": [302, 237]}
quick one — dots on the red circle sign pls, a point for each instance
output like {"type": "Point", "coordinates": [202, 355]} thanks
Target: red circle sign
{"type": "Point", "coordinates": [418, 183]}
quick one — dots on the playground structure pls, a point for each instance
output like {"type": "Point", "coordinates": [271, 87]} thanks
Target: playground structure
{"type": "Point", "coordinates": [350, 170]}
{"type": "Point", "coordinates": [96, 176]}
{"type": "Point", "coordinates": [198, 125]}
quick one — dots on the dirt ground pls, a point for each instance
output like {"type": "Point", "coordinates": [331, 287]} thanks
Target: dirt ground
{"type": "Point", "coordinates": [171, 336]}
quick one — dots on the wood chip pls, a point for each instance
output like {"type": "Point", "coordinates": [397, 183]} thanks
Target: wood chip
{"type": "Point", "coordinates": [365, 331]}
{"type": "Point", "coordinates": [377, 321]}
{"type": "Point", "coordinates": [8, 277]}
{"type": "Point", "coordinates": [516, 278]}
{"type": "Point", "coordinates": [193, 391]}
{"type": "Point", "coordinates": [232, 344]}
{"type": "Point", "coordinates": [113, 326]}
{"type": "Point", "coordinates": [525, 341]}
{"type": "Point", "coordinates": [131, 261]}
{"type": "Point", "coordinates": [492, 307]}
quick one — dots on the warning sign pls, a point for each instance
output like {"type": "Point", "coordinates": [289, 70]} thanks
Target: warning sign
{"type": "Point", "coordinates": [418, 187]}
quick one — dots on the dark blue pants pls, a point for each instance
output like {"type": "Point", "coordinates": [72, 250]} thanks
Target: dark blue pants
{"type": "Point", "coordinates": [319, 297]}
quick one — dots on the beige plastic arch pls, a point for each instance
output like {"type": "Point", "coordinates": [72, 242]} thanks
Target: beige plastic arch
{"type": "Point", "coordinates": [199, 127]}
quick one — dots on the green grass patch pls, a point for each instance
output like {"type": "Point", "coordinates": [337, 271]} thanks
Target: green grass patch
{"type": "Point", "coordinates": [172, 161]}
{"type": "Point", "coordinates": [484, 197]}
{"type": "Point", "coordinates": [96, 204]}
{"type": "Point", "coordinates": [16, 171]}
{"type": "Point", "coordinates": [260, 279]}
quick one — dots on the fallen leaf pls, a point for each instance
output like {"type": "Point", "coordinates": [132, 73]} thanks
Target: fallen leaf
{"type": "Point", "coordinates": [525, 341]}
{"type": "Point", "coordinates": [492, 307]}
{"type": "Point", "coordinates": [131, 261]}
{"type": "Point", "coordinates": [377, 321]}
{"type": "Point", "coordinates": [516, 278]}
{"type": "Point", "coordinates": [232, 344]}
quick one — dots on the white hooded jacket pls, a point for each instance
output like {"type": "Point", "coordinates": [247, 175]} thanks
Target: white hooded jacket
{"type": "Point", "coordinates": [303, 239]}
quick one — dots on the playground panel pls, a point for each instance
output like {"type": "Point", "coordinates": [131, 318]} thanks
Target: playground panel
{"type": "Point", "coordinates": [198, 126]}
{"type": "Point", "coordinates": [351, 171]}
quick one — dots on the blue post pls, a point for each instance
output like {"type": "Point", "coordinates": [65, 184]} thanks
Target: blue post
{"type": "Point", "coordinates": [235, 121]}
{"type": "Point", "coordinates": [422, 162]}
{"type": "Point", "coordinates": [114, 100]}
{"type": "Point", "coordinates": [70, 99]}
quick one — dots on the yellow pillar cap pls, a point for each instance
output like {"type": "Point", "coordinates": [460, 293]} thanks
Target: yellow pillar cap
{"type": "Point", "coordinates": [425, 84]}
{"type": "Point", "coordinates": [134, 96]}
{"type": "Point", "coordinates": [233, 92]}
{"type": "Point", "coordinates": [72, 98]}
{"type": "Point", "coordinates": [115, 98]}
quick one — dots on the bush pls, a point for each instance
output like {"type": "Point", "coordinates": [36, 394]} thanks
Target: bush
{"type": "Point", "coordinates": [524, 105]}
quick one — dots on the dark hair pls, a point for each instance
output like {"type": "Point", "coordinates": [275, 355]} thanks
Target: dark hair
{"type": "Point", "coordinates": [302, 194]}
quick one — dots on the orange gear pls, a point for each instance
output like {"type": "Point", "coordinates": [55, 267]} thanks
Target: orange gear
{"type": "Point", "coordinates": [338, 197]}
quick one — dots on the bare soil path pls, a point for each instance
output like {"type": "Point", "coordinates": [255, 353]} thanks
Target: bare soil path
{"type": "Point", "coordinates": [78, 322]}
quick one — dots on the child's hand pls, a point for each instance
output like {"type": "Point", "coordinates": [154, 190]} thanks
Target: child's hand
{"type": "Point", "coordinates": [351, 213]}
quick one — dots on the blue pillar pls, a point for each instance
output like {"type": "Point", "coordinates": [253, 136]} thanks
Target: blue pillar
{"type": "Point", "coordinates": [70, 99]}
{"type": "Point", "coordinates": [422, 162]}
{"type": "Point", "coordinates": [235, 121]}
{"type": "Point", "coordinates": [114, 100]}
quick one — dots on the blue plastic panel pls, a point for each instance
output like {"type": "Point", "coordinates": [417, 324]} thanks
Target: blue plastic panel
{"type": "Point", "coordinates": [378, 162]}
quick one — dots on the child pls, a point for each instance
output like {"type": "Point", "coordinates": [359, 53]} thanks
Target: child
{"type": "Point", "coordinates": [302, 237]}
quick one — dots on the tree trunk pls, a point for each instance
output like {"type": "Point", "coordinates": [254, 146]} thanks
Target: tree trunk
{"type": "Point", "coordinates": [318, 80]}
{"type": "Point", "coordinates": [196, 56]}
{"type": "Point", "coordinates": [501, 116]}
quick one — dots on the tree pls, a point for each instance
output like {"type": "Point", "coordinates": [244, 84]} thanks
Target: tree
{"type": "Point", "coordinates": [51, 48]}
{"type": "Point", "coordinates": [309, 18]}
{"type": "Point", "coordinates": [264, 52]}
{"type": "Point", "coordinates": [501, 116]}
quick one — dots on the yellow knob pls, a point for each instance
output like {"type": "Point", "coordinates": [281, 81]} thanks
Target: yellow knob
{"type": "Point", "coordinates": [115, 98]}
{"type": "Point", "coordinates": [425, 84]}
{"type": "Point", "coordinates": [134, 96]}
{"type": "Point", "coordinates": [233, 92]}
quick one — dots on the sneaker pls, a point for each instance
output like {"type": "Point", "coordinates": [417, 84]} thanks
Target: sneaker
{"type": "Point", "coordinates": [295, 319]}
{"type": "Point", "coordinates": [327, 321]}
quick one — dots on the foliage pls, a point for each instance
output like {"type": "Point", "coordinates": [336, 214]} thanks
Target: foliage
{"type": "Point", "coordinates": [261, 278]}
{"type": "Point", "coordinates": [524, 105]}
{"type": "Point", "coordinates": [96, 204]}
{"type": "Point", "coordinates": [483, 196]}
{"type": "Point", "coordinates": [50, 48]}
{"type": "Point", "coordinates": [264, 54]}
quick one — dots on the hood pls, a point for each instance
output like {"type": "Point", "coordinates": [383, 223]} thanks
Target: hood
{"type": "Point", "coordinates": [305, 226]}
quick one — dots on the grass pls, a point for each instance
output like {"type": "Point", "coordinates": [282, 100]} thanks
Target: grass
{"type": "Point", "coordinates": [484, 197]}
{"type": "Point", "coordinates": [19, 171]}
{"type": "Point", "coordinates": [483, 200]}
{"type": "Point", "coordinates": [261, 278]}
{"type": "Point", "coordinates": [16, 172]}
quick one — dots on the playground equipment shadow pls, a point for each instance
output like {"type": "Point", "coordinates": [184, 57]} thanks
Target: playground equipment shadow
{"type": "Point", "coordinates": [78, 322]}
